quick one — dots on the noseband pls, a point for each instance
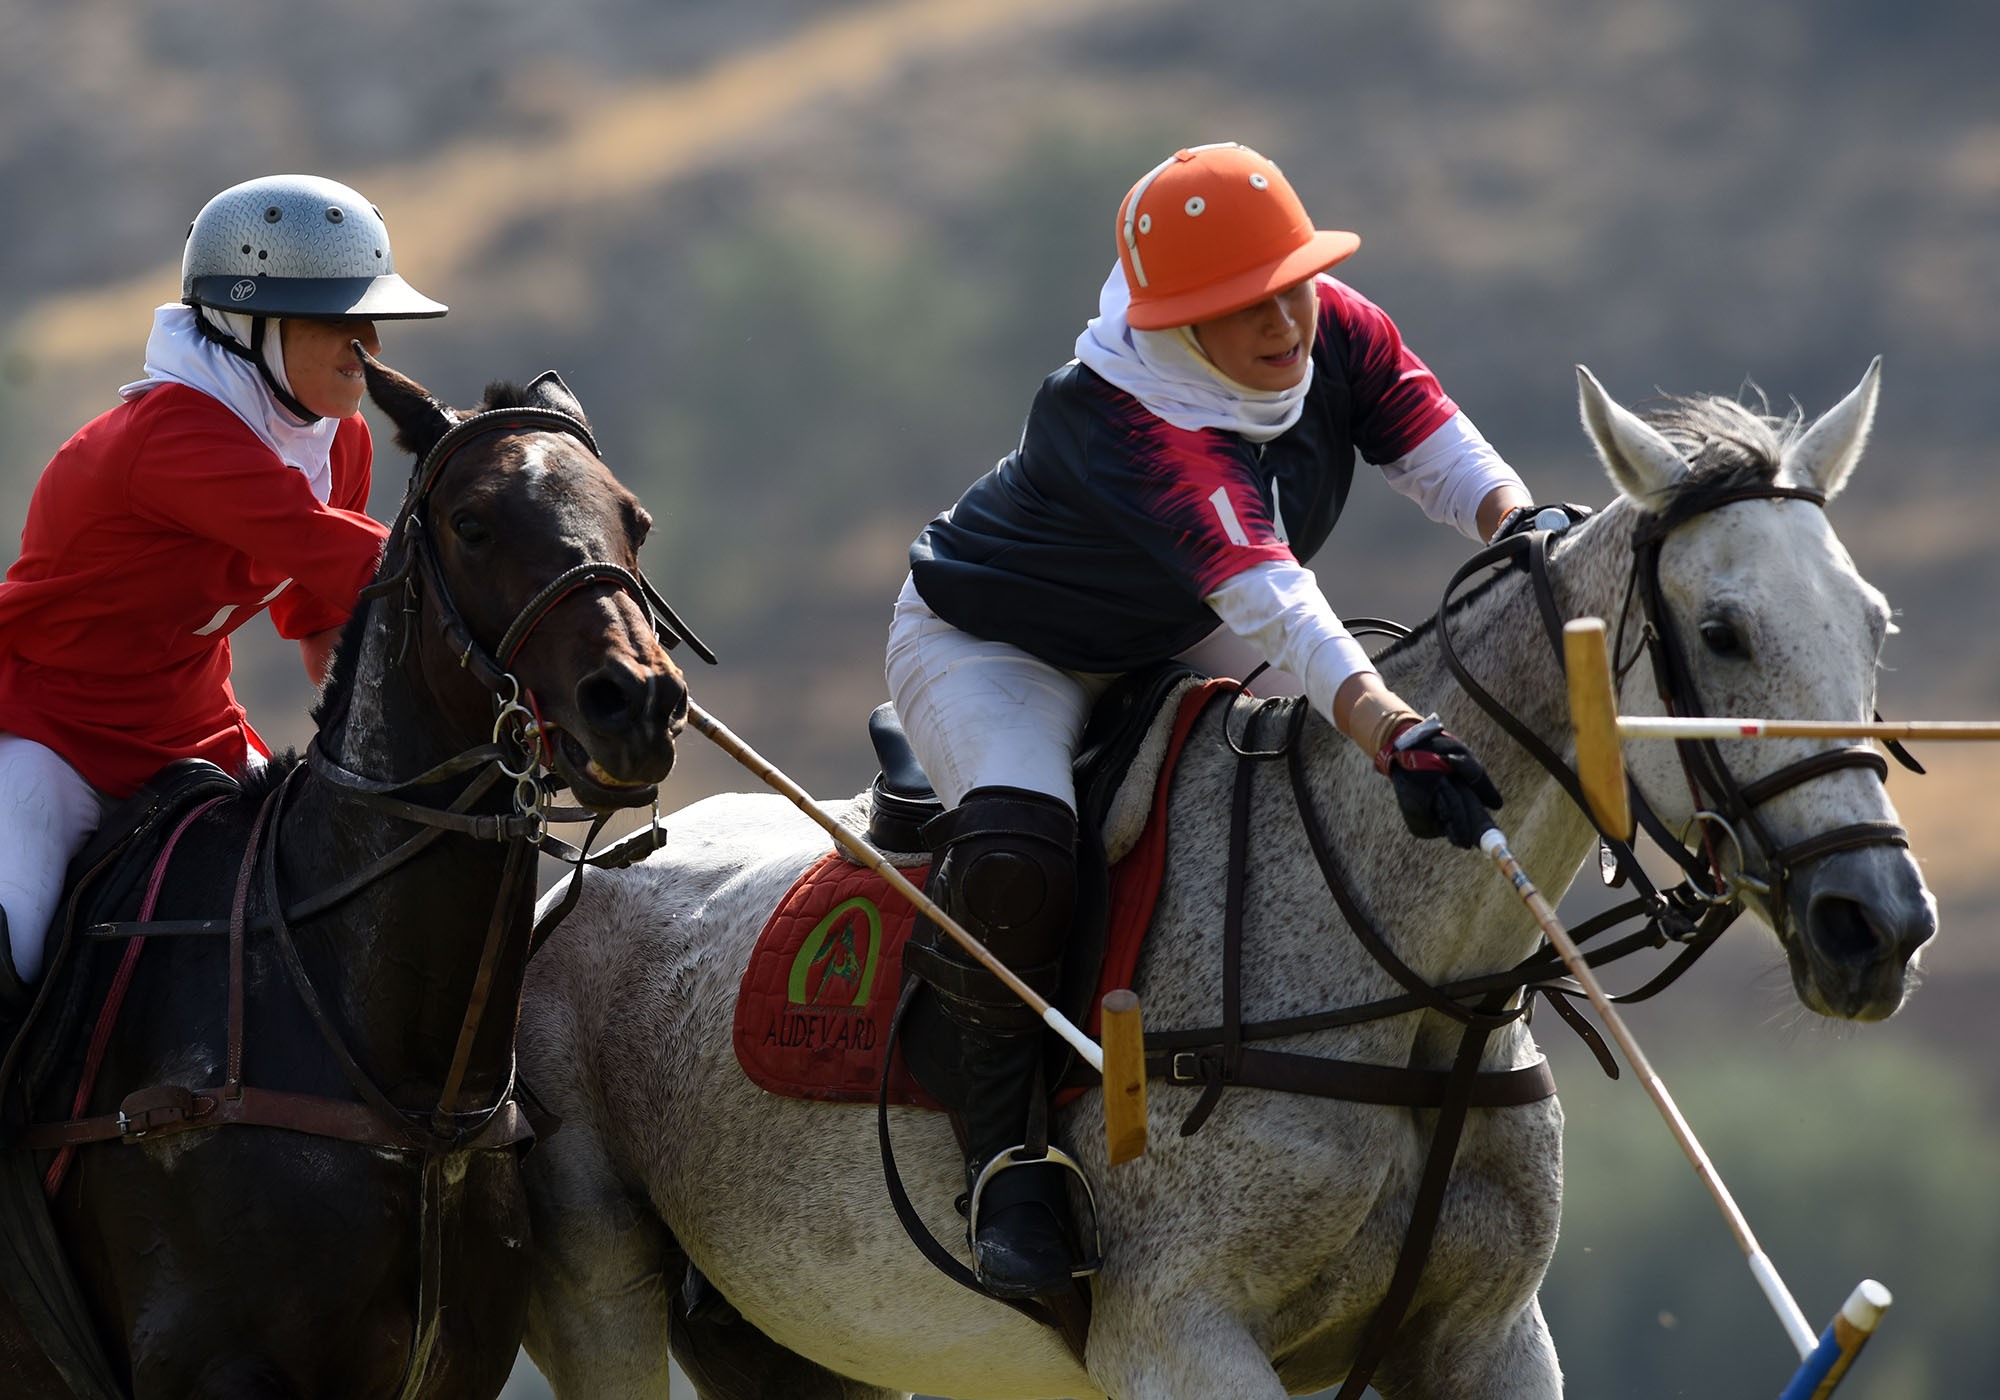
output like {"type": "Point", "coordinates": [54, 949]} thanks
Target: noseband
{"type": "Point", "coordinates": [421, 554]}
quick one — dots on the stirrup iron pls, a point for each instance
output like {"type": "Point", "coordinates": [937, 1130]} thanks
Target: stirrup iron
{"type": "Point", "coordinates": [1086, 1242]}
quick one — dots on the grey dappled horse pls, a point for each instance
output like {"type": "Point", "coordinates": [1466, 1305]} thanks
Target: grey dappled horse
{"type": "Point", "coordinates": [1245, 1260]}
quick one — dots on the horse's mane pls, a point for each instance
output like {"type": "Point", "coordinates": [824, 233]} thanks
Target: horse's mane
{"type": "Point", "coordinates": [257, 784]}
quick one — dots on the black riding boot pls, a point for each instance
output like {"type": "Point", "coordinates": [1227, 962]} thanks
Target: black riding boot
{"type": "Point", "coordinates": [1007, 873]}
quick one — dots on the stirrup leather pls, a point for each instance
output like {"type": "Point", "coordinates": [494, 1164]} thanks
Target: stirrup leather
{"type": "Point", "coordinates": [1084, 1232]}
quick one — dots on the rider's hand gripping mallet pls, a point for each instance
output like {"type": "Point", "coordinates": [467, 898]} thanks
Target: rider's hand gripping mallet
{"type": "Point", "coordinates": [1121, 1060]}
{"type": "Point", "coordinates": [1601, 773]}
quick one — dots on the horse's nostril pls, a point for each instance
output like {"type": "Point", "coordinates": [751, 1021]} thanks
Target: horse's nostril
{"type": "Point", "coordinates": [1843, 932]}
{"type": "Point", "coordinates": [610, 696]}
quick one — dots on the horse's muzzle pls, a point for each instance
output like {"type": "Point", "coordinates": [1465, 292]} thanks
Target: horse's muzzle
{"type": "Point", "coordinates": [1861, 917]}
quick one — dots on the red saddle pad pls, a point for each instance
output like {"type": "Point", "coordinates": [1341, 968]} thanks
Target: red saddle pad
{"type": "Point", "coordinates": [813, 1011]}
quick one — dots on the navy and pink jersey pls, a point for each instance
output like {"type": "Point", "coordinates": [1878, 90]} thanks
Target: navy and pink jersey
{"type": "Point", "coordinates": [156, 531]}
{"type": "Point", "coordinates": [1093, 544]}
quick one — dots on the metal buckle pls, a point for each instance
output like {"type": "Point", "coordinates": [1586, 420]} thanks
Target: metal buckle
{"type": "Point", "coordinates": [1185, 1068]}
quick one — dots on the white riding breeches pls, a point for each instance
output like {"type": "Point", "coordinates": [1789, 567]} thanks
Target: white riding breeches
{"type": "Point", "coordinates": [981, 713]}
{"type": "Point", "coordinates": [47, 812]}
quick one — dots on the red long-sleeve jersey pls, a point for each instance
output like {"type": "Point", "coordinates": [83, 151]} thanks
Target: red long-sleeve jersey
{"type": "Point", "coordinates": [157, 530]}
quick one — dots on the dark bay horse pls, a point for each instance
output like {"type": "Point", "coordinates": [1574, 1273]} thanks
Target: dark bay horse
{"type": "Point", "coordinates": [317, 1192]}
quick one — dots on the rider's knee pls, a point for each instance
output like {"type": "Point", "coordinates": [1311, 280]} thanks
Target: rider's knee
{"type": "Point", "coordinates": [1007, 870]}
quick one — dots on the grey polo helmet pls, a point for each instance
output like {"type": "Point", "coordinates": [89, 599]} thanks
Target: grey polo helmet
{"type": "Point", "coordinates": [299, 246]}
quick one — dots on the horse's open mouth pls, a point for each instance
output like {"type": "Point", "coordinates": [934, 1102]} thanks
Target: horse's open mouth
{"type": "Point", "coordinates": [590, 783]}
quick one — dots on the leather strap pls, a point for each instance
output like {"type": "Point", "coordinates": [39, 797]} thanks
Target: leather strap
{"type": "Point", "coordinates": [1350, 1080]}
{"type": "Point", "coordinates": [165, 1109]}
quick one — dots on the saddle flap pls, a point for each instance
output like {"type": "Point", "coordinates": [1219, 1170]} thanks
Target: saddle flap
{"type": "Point", "coordinates": [126, 829]}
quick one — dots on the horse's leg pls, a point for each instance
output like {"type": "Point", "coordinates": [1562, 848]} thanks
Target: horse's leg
{"type": "Point", "coordinates": [599, 1305]}
{"type": "Point", "coordinates": [1454, 1358]}
{"type": "Point", "coordinates": [1169, 1353]}
{"type": "Point", "coordinates": [727, 1358]}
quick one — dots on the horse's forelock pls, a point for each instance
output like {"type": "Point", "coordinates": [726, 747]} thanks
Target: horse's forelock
{"type": "Point", "coordinates": [1726, 444]}
{"type": "Point", "coordinates": [503, 393]}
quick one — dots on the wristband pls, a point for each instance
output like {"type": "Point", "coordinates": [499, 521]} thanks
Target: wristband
{"type": "Point", "coordinates": [1375, 718]}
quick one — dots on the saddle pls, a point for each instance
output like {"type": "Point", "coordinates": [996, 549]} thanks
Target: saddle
{"type": "Point", "coordinates": [47, 1339]}
{"type": "Point", "coordinates": [819, 993]}
{"type": "Point", "coordinates": [104, 882]}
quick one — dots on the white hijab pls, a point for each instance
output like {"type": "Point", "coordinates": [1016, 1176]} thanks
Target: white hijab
{"type": "Point", "coordinates": [178, 353]}
{"type": "Point", "coordinates": [1167, 372]}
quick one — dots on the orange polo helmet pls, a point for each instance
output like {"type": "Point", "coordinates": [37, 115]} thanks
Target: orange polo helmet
{"type": "Point", "coordinates": [1214, 229]}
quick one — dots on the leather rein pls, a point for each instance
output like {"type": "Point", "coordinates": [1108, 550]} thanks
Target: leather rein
{"type": "Point", "coordinates": [517, 752]}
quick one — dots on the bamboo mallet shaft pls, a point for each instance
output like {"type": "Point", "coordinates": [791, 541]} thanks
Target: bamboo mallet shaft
{"type": "Point", "coordinates": [1724, 727]}
{"type": "Point", "coordinates": [1599, 728]}
{"type": "Point", "coordinates": [1494, 843]}
{"type": "Point", "coordinates": [1124, 1102]}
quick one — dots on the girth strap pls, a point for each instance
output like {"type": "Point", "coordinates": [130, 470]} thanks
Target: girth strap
{"type": "Point", "coordinates": [146, 1114]}
{"type": "Point", "coordinates": [1352, 1081]}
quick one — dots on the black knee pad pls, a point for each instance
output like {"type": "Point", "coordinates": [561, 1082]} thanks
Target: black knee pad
{"type": "Point", "coordinates": [1007, 872]}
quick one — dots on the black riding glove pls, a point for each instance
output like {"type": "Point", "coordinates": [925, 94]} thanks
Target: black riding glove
{"type": "Point", "coordinates": [1440, 786]}
{"type": "Point", "coordinates": [1522, 519]}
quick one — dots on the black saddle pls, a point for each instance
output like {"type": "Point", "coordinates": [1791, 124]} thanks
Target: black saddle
{"type": "Point", "coordinates": [104, 882]}
{"type": "Point", "coordinates": [47, 1340]}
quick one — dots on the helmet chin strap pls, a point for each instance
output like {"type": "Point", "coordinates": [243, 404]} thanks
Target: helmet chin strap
{"type": "Point", "coordinates": [255, 355]}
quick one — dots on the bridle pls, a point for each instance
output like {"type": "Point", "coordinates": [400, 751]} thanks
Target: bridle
{"type": "Point", "coordinates": [516, 725]}
{"type": "Point", "coordinates": [516, 752]}
{"type": "Point", "coordinates": [1724, 804]}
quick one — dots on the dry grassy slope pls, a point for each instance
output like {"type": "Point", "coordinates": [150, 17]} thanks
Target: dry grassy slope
{"type": "Point", "coordinates": [1681, 195]}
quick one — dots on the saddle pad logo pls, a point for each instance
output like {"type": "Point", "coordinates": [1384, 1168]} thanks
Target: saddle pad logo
{"type": "Point", "coordinates": [831, 968]}
{"type": "Point", "coordinates": [813, 1011]}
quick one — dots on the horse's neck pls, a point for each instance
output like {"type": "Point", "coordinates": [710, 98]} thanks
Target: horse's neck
{"type": "Point", "coordinates": [411, 941]}
{"type": "Point", "coordinates": [1502, 641]}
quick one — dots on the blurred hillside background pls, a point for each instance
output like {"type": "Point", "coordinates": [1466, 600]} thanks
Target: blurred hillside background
{"type": "Point", "coordinates": [805, 262]}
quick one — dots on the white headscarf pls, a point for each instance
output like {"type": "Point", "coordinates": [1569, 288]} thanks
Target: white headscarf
{"type": "Point", "coordinates": [178, 353]}
{"type": "Point", "coordinates": [1167, 372]}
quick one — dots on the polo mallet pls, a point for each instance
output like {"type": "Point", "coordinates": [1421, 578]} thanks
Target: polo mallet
{"type": "Point", "coordinates": [1600, 763]}
{"type": "Point", "coordinates": [1824, 1360]}
{"type": "Point", "coordinates": [1600, 766]}
{"type": "Point", "coordinates": [1121, 1059]}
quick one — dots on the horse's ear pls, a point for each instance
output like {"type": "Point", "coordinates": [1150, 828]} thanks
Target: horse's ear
{"type": "Point", "coordinates": [546, 390]}
{"type": "Point", "coordinates": [420, 419]}
{"type": "Point", "coordinates": [1826, 454]}
{"type": "Point", "coordinates": [1641, 461]}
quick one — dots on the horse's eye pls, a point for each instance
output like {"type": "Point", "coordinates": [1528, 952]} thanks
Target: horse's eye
{"type": "Point", "coordinates": [1720, 638]}
{"type": "Point", "coordinates": [470, 529]}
